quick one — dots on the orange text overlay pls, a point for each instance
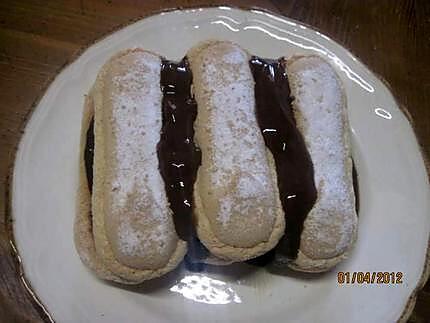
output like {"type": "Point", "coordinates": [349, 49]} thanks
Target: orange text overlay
{"type": "Point", "coordinates": [368, 277]}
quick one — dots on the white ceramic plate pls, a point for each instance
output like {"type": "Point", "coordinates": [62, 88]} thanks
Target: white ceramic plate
{"type": "Point", "coordinates": [394, 195]}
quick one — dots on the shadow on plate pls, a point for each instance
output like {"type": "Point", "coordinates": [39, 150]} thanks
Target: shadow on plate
{"type": "Point", "coordinates": [231, 273]}
{"type": "Point", "coordinates": [228, 274]}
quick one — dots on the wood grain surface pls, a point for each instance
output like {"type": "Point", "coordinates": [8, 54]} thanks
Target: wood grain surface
{"type": "Point", "coordinates": [38, 38]}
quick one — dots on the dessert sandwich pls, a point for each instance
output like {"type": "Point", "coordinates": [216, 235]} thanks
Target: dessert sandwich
{"type": "Point", "coordinates": [223, 155]}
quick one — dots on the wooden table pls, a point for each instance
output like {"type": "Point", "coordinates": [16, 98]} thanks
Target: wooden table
{"type": "Point", "coordinates": [38, 38]}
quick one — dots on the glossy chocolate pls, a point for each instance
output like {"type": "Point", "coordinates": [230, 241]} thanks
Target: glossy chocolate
{"type": "Point", "coordinates": [89, 154]}
{"type": "Point", "coordinates": [178, 156]}
{"type": "Point", "coordinates": [293, 163]}
{"type": "Point", "coordinates": [356, 188]}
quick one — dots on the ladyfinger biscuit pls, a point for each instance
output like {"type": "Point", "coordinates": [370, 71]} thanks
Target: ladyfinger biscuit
{"type": "Point", "coordinates": [319, 105]}
{"type": "Point", "coordinates": [133, 229]}
{"type": "Point", "coordinates": [237, 208]}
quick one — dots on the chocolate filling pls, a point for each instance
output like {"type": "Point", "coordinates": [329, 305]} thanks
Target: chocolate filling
{"type": "Point", "coordinates": [89, 155]}
{"type": "Point", "coordinates": [293, 163]}
{"type": "Point", "coordinates": [356, 188]}
{"type": "Point", "coordinates": [178, 156]}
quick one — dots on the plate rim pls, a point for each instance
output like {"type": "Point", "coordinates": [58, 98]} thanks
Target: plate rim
{"type": "Point", "coordinates": [10, 169]}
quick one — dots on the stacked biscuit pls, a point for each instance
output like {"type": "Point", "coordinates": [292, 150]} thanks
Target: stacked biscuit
{"type": "Point", "coordinates": [124, 229]}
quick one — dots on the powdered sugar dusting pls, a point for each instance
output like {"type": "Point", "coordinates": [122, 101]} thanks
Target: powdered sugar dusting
{"type": "Point", "coordinates": [135, 243]}
{"type": "Point", "coordinates": [136, 127]}
{"type": "Point", "coordinates": [239, 162]}
{"type": "Point", "coordinates": [234, 57]}
{"type": "Point", "coordinates": [321, 118]}
{"type": "Point", "coordinates": [139, 204]}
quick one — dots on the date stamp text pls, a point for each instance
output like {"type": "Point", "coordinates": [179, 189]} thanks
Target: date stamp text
{"type": "Point", "coordinates": [367, 277]}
